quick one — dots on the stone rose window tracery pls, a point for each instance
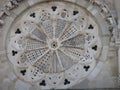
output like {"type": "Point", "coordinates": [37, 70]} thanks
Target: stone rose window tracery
{"type": "Point", "coordinates": [56, 44]}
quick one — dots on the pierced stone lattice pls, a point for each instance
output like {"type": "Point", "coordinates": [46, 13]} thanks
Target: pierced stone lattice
{"type": "Point", "coordinates": [54, 44]}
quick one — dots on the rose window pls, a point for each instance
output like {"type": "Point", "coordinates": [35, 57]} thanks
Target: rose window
{"type": "Point", "coordinates": [56, 44]}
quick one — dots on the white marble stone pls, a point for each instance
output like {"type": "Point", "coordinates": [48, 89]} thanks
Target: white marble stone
{"type": "Point", "coordinates": [106, 71]}
{"type": "Point", "coordinates": [20, 85]}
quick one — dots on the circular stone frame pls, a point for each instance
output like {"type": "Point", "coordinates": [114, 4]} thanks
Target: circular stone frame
{"type": "Point", "coordinates": [25, 42]}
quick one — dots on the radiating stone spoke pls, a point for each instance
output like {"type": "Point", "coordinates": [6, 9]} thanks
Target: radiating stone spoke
{"type": "Point", "coordinates": [44, 62]}
{"type": "Point", "coordinates": [38, 34]}
{"type": "Point", "coordinates": [35, 39]}
{"type": "Point", "coordinates": [71, 32]}
{"type": "Point", "coordinates": [32, 30]}
{"type": "Point", "coordinates": [66, 61]}
{"type": "Point", "coordinates": [61, 25]}
{"type": "Point", "coordinates": [40, 57]}
{"type": "Point", "coordinates": [33, 55]}
{"type": "Point", "coordinates": [32, 44]}
{"type": "Point", "coordinates": [47, 27]}
{"type": "Point", "coordinates": [66, 28]}
{"type": "Point", "coordinates": [77, 41]}
{"type": "Point", "coordinates": [54, 62]}
{"type": "Point", "coordinates": [73, 53]}
{"type": "Point", "coordinates": [75, 47]}
{"type": "Point", "coordinates": [59, 60]}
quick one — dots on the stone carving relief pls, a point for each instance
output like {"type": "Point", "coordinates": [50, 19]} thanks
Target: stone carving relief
{"type": "Point", "coordinates": [57, 44]}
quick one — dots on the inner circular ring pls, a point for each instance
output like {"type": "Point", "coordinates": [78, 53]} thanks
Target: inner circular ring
{"type": "Point", "coordinates": [53, 44]}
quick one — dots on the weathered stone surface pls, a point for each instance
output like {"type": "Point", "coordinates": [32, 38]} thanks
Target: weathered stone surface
{"type": "Point", "coordinates": [104, 70]}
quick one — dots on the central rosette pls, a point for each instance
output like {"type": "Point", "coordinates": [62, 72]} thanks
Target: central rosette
{"type": "Point", "coordinates": [53, 44]}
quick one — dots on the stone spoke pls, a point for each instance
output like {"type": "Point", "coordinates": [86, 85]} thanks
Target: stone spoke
{"type": "Point", "coordinates": [72, 52]}
{"type": "Point", "coordinates": [39, 57]}
{"type": "Point", "coordinates": [30, 37]}
{"type": "Point", "coordinates": [32, 30]}
{"type": "Point", "coordinates": [59, 60]}
{"type": "Point", "coordinates": [31, 44]}
{"type": "Point", "coordinates": [33, 55]}
{"type": "Point", "coordinates": [67, 27]}
{"type": "Point", "coordinates": [47, 27]}
{"type": "Point", "coordinates": [71, 32]}
{"type": "Point", "coordinates": [44, 62]}
{"type": "Point", "coordinates": [39, 35]}
{"type": "Point", "coordinates": [60, 27]}
{"type": "Point", "coordinates": [66, 61]}
{"type": "Point", "coordinates": [54, 62]}
{"type": "Point", "coordinates": [77, 41]}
